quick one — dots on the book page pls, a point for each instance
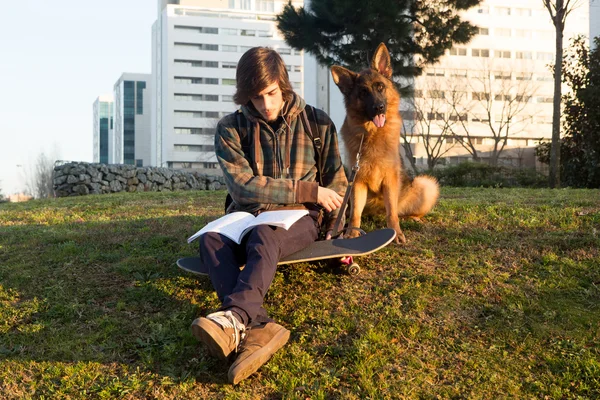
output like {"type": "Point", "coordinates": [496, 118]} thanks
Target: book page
{"type": "Point", "coordinates": [281, 218]}
{"type": "Point", "coordinates": [230, 225]}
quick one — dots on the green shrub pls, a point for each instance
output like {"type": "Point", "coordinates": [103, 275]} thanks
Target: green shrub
{"type": "Point", "coordinates": [473, 174]}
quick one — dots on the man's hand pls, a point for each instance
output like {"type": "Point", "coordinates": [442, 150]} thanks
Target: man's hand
{"type": "Point", "coordinates": [329, 199]}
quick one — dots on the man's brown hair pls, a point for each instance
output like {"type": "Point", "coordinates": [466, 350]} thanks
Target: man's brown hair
{"type": "Point", "coordinates": [258, 68]}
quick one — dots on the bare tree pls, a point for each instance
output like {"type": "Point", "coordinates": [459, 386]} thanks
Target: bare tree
{"type": "Point", "coordinates": [40, 180]}
{"type": "Point", "coordinates": [500, 101]}
{"type": "Point", "coordinates": [431, 122]}
{"type": "Point", "coordinates": [559, 11]}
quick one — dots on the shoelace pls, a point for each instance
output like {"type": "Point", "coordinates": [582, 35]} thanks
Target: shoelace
{"type": "Point", "coordinates": [227, 320]}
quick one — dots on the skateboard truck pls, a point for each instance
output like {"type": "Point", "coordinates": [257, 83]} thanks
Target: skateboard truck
{"type": "Point", "coordinates": [349, 266]}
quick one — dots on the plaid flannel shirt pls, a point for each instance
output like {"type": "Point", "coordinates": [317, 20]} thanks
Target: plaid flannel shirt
{"type": "Point", "coordinates": [259, 180]}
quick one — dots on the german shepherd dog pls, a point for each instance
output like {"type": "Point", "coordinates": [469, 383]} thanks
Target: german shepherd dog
{"type": "Point", "coordinates": [373, 118]}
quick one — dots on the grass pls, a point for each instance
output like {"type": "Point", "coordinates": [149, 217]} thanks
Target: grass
{"type": "Point", "coordinates": [496, 295]}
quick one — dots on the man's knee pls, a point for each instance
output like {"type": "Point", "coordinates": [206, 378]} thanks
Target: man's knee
{"type": "Point", "coordinates": [211, 241]}
{"type": "Point", "coordinates": [263, 234]}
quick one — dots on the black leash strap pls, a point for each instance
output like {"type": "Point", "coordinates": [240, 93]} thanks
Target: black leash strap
{"type": "Point", "coordinates": [355, 168]}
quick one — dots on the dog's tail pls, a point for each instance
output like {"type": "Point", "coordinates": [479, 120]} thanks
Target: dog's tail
{"type": "Point", "coordinates": [419, 198]}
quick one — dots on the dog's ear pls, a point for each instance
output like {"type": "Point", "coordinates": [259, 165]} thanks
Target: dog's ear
{"type": "Point", "coordinates": [343, 78]}
{"type": "Point", "coordinates": [381, 61]}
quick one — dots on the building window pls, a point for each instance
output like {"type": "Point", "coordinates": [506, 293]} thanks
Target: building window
{"type": "Point", "coordinates": [244, 49]}
{"type": "Point", "coordinates": [266, 34]}
{"type": "Point", "coordinates": [139, 107]}
{"type": "Point", "coordinates": [545, 35]}
{"type": "Point", "coordinates": [480, 118]}
{"type": "Point", "coordinates": [480, 96]}
{"type": "Point", "coordinates": [227, 98]}
{"type": "Point", "coordinates": [240, 4]}
{"type": "Point", "coordinates": [483, 31]}
{"type": "Point", "coordinates": [523, 33]}
{"type": "Point", "coordinates": [524, 55]}
{"type": "Point", "coordinates": [297, 68]}
{"type": "Point", "coordinates": [480, 53]}
{"type": "Point", "coordinates": [228, 65]}
{"type": "Point", "coordinates": [544, 56]}
{"type": "Point", "coordinates": [458, 51]}
{"type": "Point", "coordinates": [196, 81]}
{"type": "Point", "coordinates": [502, 75]}
{"type": "Point", "coordinates": [196, 97]}
{"type": "Point", "coordinates": [542, 99]}
{"type": "Point", "coordinates": [229, 48]}
{"type": "Point", "coordinates": [197, 63]}
{"type": "Point", "coordinates": [196, 114]}
{"type": "Point", "coordinates": [229, 31]}
{"type": "Point", "coordinates": [139, 163]}
{"type": "Point", "coordinates": [229, 82]}
{"type": "Point", "coordinates": [458, 117]}
{"type": "Point", "coordinates": [200, 29]}
{"type": "Point", "coordinates": [523, 12]}
{"type": "Point", "coordinates": [502, 53]}
{"type": "Point", "coordinates": [193, 147]}
{"type": "Point", "coordinates": [503, 11]}
{"type": "Point", "coordinates": [483, 10]}
{"type": "Point", "coordinates": [524, 76]}
{"type": "Point", "coordinates": [436, 72]}
{"type": "Point", "coordinates": [458, 73]}
{"type": "Point", "coordinates": [265, 6]}
{"type": "Point", "coordinates": [194, 131]}
{"type": "Point", "coordinates": [210, 165]}
{"type": "Point", "coordinates": [523, 99]}
{"type": "Point", "coordinates": [503, 32]}
{"type": "Point", "coordinates": [502, 97]}
{"type": "Point", "coordinates": [435, 116]}
{"type": "Point", "coordinates": [284, 51]}
{"type": "Point", "coordinates": [436, 94]}
{"type": "Point", "coordinates": [199, 46]}
{"type": "Point", "coordinates": [247, 32]}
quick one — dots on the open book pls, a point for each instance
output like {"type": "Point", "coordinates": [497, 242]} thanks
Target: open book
{"type": "Point", "coordinates": [237, 224]}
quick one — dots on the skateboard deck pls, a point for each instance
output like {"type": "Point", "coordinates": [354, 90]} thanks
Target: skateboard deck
{"type": "Point", "coordinates": [343, 249]}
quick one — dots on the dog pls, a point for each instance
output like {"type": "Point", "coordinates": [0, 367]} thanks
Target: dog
{"type": "Point", "coordinates": [373, 118]}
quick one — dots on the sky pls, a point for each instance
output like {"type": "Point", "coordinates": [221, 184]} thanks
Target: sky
{"type": "Point", "coordinates": [56, 58]}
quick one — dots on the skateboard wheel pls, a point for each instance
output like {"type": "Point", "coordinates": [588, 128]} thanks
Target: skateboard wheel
{"type": "Point", "coordinates": [353, 269]}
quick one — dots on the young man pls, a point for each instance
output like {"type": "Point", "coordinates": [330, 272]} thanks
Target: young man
{"type": "Point", "coordinates": [269, 162]}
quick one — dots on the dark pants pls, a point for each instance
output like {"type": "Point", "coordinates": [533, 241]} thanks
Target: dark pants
{"type": "Point", "coordinates": [243, 291]}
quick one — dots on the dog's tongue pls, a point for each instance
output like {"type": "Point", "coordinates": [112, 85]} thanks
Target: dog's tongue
{"type": "Point", "coordinates": [379, 120]}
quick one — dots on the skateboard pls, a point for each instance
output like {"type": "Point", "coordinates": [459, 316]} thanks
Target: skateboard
{"type": "Point", "coordinates": [342, 249]}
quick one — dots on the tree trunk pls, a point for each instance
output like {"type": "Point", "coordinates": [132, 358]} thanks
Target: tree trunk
{"type": "Point", "coordinates": [554, 177]}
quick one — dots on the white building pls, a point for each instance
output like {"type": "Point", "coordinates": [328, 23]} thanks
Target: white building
{"type": "Point", "coordinates": [501, 80]}
{"type": "Point", "coordinates": [103, 125]}
{"type": "Point", "coordinates": [195, 49]}
{"type": "Point", "coordinates": [594, 20]}
{"type": "Point", "coordinates": [131, 139]}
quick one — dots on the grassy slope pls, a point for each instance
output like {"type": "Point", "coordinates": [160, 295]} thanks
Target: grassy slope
{"type": "Point", "coordinates": [496, 295]}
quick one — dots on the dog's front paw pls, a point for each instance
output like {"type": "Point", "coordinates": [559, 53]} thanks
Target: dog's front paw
{"type": "Point", "coordinates": [400, 238]}
{"type": "Point", "coordinates": [351, 233]}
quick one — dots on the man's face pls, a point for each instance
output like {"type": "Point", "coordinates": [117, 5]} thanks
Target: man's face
{"type": "Point", "coordinates": [269, 102]}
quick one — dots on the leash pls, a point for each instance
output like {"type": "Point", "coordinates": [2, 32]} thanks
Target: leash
{"type": "Point", "coordinates": [355, 168]}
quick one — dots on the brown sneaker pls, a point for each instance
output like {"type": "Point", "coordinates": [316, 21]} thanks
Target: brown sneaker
{"type": "Point", "coordinates": [260, 344]}
{"type": "Point", "coordinates": [221, 332]}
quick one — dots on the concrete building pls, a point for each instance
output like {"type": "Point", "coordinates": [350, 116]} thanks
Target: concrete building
{"type": "Point", "coordinates": [594, 20]}
{"type": "Point", "coordinates": [103, 125]}
{"type": "Point", "coordinates": [495, 93]}
{"type": "Point", "coordinates": [131, 140]}
{"type": "Point", "coordinates": [195, 48]}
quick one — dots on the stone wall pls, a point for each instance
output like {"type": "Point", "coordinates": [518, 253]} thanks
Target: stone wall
{"type": "Point", "coordinates": [79, 179]}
